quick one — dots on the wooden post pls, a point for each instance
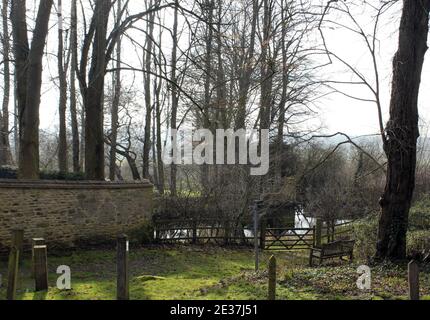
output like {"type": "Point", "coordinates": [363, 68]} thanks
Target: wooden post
{"type": "Point", "coordinates": [13, 265]}
{"type": "Point", "coordinates": [122, 268]}
{"type": "Point", "coordinates": [157, 233]}
{"type": "Point", "coordinates": [318, 233]}
{"type": "Point", "coordinates": [256, 249]}
{"type": "Point", "coordinates": [194, 232]}
{"type": "Point", "coordinates": [414, 280]}
{"type": "Point", "coordinates": [333, 230]}
{"type": "Point", "coordinates": [328, 230]}
{"type": "Point", "coordinates": [262, 234]}
{"type": "Point", "coordinates": [226, 232]}
{"type": "Point", "coordinates": [35, 242]}
{"type": "Point", "coordinates": [40, 268]}
{"type": "Point", "coordinates": [272, 278]}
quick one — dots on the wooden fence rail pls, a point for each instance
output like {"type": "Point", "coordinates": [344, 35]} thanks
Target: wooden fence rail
{"type": "Point", "coordinates": [225, 231]}
{"type": "Point", "coordinates": [289, 238]}
{"type": "Point", "coordinates": [202, 231]}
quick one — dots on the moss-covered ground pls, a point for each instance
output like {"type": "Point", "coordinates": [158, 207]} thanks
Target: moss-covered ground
{"type": "Point", "coordinates": [193, 273]}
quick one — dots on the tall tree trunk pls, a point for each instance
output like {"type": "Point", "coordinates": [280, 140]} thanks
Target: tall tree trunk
{"type": "Point", "coordinates": [147, 85]}
{"type": "Point", "coordinates": [266, 80]}
{"type": "Point", "coordinates": [246, 68]}
{"type": "Point", "coordinates": [82, 140]}
{"type": "Point", "coordinates": [154, 139]}
{"type": "Point", "coordinates": [284, 95]}
{"type": "Point", "coordinates": [62, 75]}
{"type": "Point", "coordinates": [73, 102]}
{"type": "Point", "coordinates": [207, 111]}
{"type": "Point", "coordinates": [402, 130]}
{"type": "Point", "coordinates": [221, 104]}
{"type": "Point", "coordinates": [175, 97]}
{"type": "Point", "coordinates": [160, 164]}
{"type": "Point", "coordinates": [94, 135]}
{"type": "Point", "coordinates": [21, 49]}
{"type": "Point", "coordinates": [115, 102]}
{"type": "Point", "coordinates": [157, 124]}
{"type": "Point", "coordinates": [15, 119]}
{"type": "Point", "coordinates": [29, 71]}
{"type": "Point", "coordinates": [5, 152]}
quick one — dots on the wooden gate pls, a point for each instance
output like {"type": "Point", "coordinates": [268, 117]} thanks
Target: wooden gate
{"type": "Point", "coordinates": [288, 238]}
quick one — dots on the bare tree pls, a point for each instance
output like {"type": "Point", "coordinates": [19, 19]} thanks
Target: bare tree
{"type": "Point", "coordinates": [28, 67]}
{"type": "Point", "coordinates": [175, 95]}
{"type": "Point", "coordinates": [73, 94]}
{"type": "Point", "coordinates": [148, 51]}
{"type": "Point", "coordinates": [115, 102]}
{"type": "Point", "coordinates": [62, 75]}
{"type": "Point", "coordinates": [402, 130]}
{"type": "Point", "coordinates": [5, 152]}
{"type": "Point", "coordinates": [102, 45]}
{"type": "Point", "coordinates": [93, 94]}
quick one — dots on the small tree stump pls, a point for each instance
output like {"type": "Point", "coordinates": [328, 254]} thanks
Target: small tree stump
{"type": "Point", "coordinates": [272, 278]}
{"type": "Point", "coordinates": [40, 268]}
{"type": "Point", "coordinates": [414, 280]}
{"type": "Point", "coordinates": [13, 265]}
{"type": "Point", "coordinates": [122, 268]}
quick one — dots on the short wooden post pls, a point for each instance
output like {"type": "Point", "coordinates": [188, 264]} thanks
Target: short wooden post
{"type": "Point", "coordinates": [226, 232]}
{"type": "Point", "coordinates": [272, 278]}
{"type": "Point", "coordinates": [40, 268]}
{"type": "Point", "coordinates": [318, 233]}
{"type": "Point", "coordinates": [256, 248]}
{"type": "Point", "coordinates": [13, 265]}
{"type": "Point", "coordinates": [35, 242]}
{"type": "Point", "coordinates": [333, 230]}
{"type": "Point", "coordinates": [122, 268]}
{"type": "Point", "coordinates": [157, 234]}
{"type": "Point", "coordinates": [263, 226]}
{"type": "Point", "coordinates": [414, 280]}
{"type": "Point", "coordinates": [328, 231]}
{"type": "Point", "coordinates": [194, 240]}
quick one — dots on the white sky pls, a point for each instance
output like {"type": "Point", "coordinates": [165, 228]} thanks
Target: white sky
{"type": "Point", "coordinates": [338, 112]}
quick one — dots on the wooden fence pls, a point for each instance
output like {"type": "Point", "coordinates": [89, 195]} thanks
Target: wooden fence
{"type": "Point", "coordinates": [202, 231]}
{"type": "Point", "coordinates": [331, 231]}
{"type": "Point", "coordinates": [230, 232]}
{"type": "Point", "coordinates": [289, 238]}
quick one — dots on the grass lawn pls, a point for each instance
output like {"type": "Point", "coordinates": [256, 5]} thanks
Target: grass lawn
{"type": "Point", "coordinates": [193, 273]}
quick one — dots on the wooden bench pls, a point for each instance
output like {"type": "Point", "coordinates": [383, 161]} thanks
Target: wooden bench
{"type": "Point", "coordinates": [337, 249]}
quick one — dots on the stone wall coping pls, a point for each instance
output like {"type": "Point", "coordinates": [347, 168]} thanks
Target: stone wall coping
{"type": "Point", "coordinates": [56, 184]}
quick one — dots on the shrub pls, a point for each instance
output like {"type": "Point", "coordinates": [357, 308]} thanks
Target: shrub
{"type": "Point", "coordinates": [418, 242]}
{"type": "Point", "coordinates": [418, 238]}
{"type": "Point", "coordinates": [12, 173]}
{"type": "Point", "coordinates": [365, 233]}
{"type": "Point", "coordinates": [55, 175]}
{"type": "Point", "coordinates": [419, 216]}
{"type": "Point", "coordinates": [8, 173]}
{"type": "Point", "coordinates": [142, 235]}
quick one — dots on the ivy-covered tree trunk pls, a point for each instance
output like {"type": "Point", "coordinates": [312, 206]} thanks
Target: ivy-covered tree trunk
{"type": "Point", "coordinates": [402, 130]}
